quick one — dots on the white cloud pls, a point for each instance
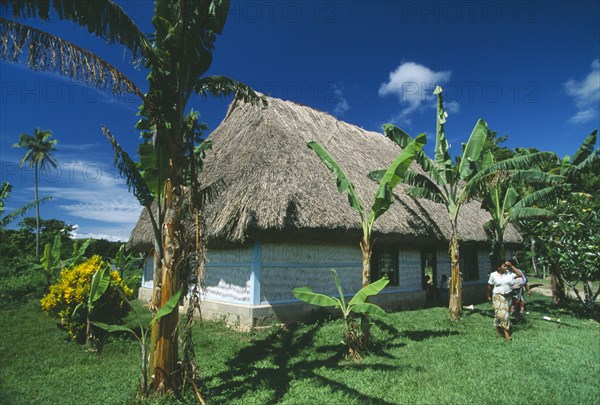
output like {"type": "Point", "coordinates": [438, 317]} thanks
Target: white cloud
{"type": "Point", "coordinates": [342, 105]}
{"type": "Point", "coordinates": [79, 147]}
{"type": "Point", "coordinates": [109, 237]}
{"type": "Point", "coordinates": [586, 94]}
{"type": "Point", "coordinates": [90, 191]}
{"type": "Point", "coordinates": [452, 107]}
{"type": "Point", "coordinates": [583, 116]}
{"type": "Point", "coordinates": [414, 83]}
{"type": "Point", "coordinates": [112, 204]}
{"type": "Point", "coordinates": [111, 233]}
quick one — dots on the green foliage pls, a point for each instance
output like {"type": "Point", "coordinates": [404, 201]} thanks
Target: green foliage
{"type": "Point", "coordinates": [73, 288]}
{"type": "Point", "coordinates": [39, 148]}
{"type": "Point", "coordinates": [503, 197]}
{"type": "Point", "coordinates": [20, 286]}
{"type": "Point", "coordinates": [493, 145]}
{"type": "Point", "coordinates": [104, 248]}
{"type": "Point", "coordinates": [571, 240]}
{"type": "Point", "coordinates": [51, 264]}
{"type": "Point", "coordinates": [357, 305]}
{"type": "Point", "coordinates": [125, 262]}
{"type": "Point", "coordinates": [5, 191]}
{"type": "Point", "coordinates": [390, 178]}
{"type": "Point", "coordinates": [24, 238]}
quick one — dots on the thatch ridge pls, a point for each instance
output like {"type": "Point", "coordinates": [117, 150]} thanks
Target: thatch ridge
{"type": "Point", "coordinates": [275, 185]}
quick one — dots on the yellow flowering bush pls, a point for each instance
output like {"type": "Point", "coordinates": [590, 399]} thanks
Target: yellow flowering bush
{"type": "Point", "coordinates": [73, 287]}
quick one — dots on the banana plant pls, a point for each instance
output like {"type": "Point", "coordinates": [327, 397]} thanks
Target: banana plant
{"type": "Point", "coordinates": [5, 191]}
{"type": "Point", "coordinates": [124, 261]}
{"type": "Point", "coordinates": [177, 54]}
{"type": "Point", "coordinates": [505, 204]}
{"type": "Point", "coordinates": [384, 198]}
{"type": "Point", "coordinates": [51, 263]}
{"type": "Point", "coordinates": [100, 282]}
{"type": "Point", "coordinates": [358, 304]}
{"type": "Point", "coordinates": [451, 184]}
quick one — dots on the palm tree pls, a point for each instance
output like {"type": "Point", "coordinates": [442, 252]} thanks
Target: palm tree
{"type": "Point", "coordinates": [177, 56]}
{"type": "Point", "coordinates": [384, 198]}
{"type": "Point", "coordinates": [39, 157]}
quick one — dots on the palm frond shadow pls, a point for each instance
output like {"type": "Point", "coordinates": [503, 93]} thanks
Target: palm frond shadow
{"type": "Point", "coordinates": [276, 361]}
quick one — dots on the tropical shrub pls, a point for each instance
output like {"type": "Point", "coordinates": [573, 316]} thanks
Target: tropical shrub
{"type": "Point", "coordinates": [20, 286]}
{"type": "Point", "coordinates": [570, 242]}
{"type": "Point", "coordinates": [73, 288]}
{"type": "Point", "coordinates": [357, 305]}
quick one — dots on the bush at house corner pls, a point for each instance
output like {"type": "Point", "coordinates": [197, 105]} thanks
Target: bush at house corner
{"type": "Point", "coordinates": [73, 288]}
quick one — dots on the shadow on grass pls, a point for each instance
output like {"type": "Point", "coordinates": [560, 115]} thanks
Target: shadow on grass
{"type": "Point", "coordinates": [415, 335]}
{"type": "Point", "coordinates": [273, 363]}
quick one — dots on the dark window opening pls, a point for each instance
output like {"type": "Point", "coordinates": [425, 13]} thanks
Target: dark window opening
{"type": "Point", "coordinates": [469, 265]}
{"type": "Point", "coordinates": [384, 262]}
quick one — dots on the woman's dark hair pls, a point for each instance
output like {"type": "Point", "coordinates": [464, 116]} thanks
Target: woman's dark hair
{"type": "Point", "coordinates": [514, 261]}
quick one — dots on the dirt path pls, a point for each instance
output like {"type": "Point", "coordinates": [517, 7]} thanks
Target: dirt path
{"type": "Point", "coordinates": [547, 291]}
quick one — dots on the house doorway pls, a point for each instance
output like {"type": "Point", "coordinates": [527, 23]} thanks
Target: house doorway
{"type": "Point", "coordinates": [429, 275]}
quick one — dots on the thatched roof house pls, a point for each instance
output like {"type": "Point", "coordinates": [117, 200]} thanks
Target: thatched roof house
{"type": "Point", "coordinates": [278, 191]}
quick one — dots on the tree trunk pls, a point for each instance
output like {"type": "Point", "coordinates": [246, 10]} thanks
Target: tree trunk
{"type": "Point", "coordinates": [166, 352]}
{"type": "Point", "coordinates": [144, 372]}
{"type": "Point", "coordinates": [558, 286]}
{"type": "Point", "coordinates": [501, 251]}
{"type": "Point", "coordinates": [455, 304]}
{"type": "Point", "coordinates": [154, 305]}
{"type": "Point", "coordinates": [534, 262]}
{"type": "Point", "coordinates": [37, 214]}
{"type": "Point", "coordinates": [365, 324]}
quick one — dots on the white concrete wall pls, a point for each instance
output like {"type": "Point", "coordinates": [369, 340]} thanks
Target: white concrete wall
{"type": "Point", "coordinates": [288, 266]}
{"type": "Point", "coordinates": [485, 266]}
{"type": "Point", "coordinates": [267, 273]}
{"type": "Point", "coordinates": [410, 278]}
{"type": "Point", "coordinates": [148, 273]}
{"type": "Point", "coordinates": [443, 265]}
{"type": "Point", "coordinates": [227, 275]}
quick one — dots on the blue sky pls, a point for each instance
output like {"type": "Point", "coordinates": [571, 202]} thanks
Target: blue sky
{"type": "Point", "coordinates": [531, 69]}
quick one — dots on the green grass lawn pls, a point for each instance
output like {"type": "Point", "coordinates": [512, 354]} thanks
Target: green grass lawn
{"type": "Point", "coordinates": [422, 358]}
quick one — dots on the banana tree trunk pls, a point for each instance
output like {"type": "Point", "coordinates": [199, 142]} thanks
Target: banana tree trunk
{"type": "Point", "coordinates": [166, 347]}
{"type": "Point", "coordinates": [455, 304]}
{"type": "Point", "coordinates": [501, 251]}
{"type": "Point", "coordinates": [37, 214]}
{"type": "Point", "coordinates": [154, 305]}
{"type": "Point", "coordinates": [365, 324]}
{"type": "Point", "coordinates": [558, 286]}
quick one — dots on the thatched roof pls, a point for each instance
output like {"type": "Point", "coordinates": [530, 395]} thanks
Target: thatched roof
{"type": "Point", "coordinates": [276, 187]}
